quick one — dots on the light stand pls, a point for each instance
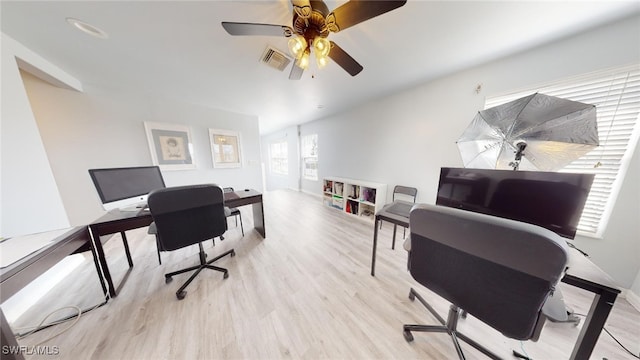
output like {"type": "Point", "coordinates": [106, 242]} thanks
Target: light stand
{"type": "Point", "coordinates": [521, 145]}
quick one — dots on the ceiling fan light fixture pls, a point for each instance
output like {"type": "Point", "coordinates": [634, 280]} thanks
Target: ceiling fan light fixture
{"type": "Point", "coordinates": [297, 46]}
{"type": "Point", "coordinates": [303, 62]}
{"type": "Point", "coordinates": [321, 61]}
{"type": "Point", "coordinates": [321, 46]}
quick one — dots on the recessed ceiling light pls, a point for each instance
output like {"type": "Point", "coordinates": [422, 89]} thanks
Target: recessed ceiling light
{"type": "Point", "coordinates": [88, 28]}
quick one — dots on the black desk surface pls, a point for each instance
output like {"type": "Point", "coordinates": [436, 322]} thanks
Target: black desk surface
{"type": "Point", "coordinates": [584, 274]}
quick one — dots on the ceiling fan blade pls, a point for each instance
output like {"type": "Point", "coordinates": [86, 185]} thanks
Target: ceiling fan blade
{"type": "Point", "coordinates": [355, 12]}
{"type": "Point", "coordinates": [345, 60]}
{"type": "Point", "coordinates": [296, 72]}
{"type": "Point", "coordinates": [253, 29]}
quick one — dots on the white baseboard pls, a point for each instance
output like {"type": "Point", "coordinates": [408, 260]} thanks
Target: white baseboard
{"type": "Point", "coordinates": [633, 299]}
{"type": "Point", "coordinates": [311, 193]}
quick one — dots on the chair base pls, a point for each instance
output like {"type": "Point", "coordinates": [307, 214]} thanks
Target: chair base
{"type": "Point", "coordinates": [204, 264]}
{"type": "Point", "coordinates": [449, 326]}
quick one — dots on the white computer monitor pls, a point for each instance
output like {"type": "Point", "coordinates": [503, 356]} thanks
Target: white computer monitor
{"type": "Point", "coordinates": [126, 188]}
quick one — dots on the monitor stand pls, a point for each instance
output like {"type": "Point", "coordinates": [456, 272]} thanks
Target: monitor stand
{"type": "Point", "coordinates": [134, 208]}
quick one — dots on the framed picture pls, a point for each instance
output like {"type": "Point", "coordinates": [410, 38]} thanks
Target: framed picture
{"type": "Point", "coordinates": [170, 146]}
{"type": "Point", "coordinates": [225, 148]}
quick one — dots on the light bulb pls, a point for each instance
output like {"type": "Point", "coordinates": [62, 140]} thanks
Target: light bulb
{"type": "Point", "coordinates": [303, 62]}
{"type": "Point", "coordinates": [321, 61]}
{"type": "Point", "coordinates": [297, 45]}
{"type": "Point", "coordinates": [321, 46]}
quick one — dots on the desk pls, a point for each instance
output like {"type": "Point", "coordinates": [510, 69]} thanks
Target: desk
{"type": "Point", "coordinates": [116, 221]}
{"type": "Point", "coordinates": [396, 213]}
{"type": "Point", "coordinates": [582, 273]}
{"type": "Point", "coordinates": [17, 275]}
{"type": "Point", "coordinates": [248, 197]}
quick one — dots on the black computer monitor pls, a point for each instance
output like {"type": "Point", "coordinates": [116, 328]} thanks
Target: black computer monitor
{"type": "Point", "coordinates": [551, 200]}
{"type": "Point", "coordinates": [127, 187]}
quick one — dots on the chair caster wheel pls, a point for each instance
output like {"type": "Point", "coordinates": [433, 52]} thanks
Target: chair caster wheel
{"type": "Point", "coordinates": [226, 275]}
{"type": "Point", "coordinates": [411, 296]}
{"type": "Point", "coordinates": [233, 253]}
{"type": "Point", "coordinates": [407, 336]}
{"type": "Point", "coordinates": [181, 294]}
{"type": "Point", "coordinates": [168, 279]}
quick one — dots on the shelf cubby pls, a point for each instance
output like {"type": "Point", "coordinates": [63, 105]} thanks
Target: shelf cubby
{"type": "Point", "coordinates": [355, 197]}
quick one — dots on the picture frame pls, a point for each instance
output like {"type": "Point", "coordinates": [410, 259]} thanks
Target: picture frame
{"type": "Point", "coordinates": [170, 146]}
{"type": "Point", "coordinates": [226, 148]}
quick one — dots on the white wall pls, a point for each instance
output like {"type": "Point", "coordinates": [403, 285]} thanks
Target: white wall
{"type": "Point", "coordinates": [405, 138]}
{"type": "Point", "coordinates": [30, 201]}
{"type": "Point", "coordinates": [103, 128]}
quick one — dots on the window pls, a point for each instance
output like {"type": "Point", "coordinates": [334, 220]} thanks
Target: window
{"type": "Point", "coordinates": [310, 157]}
{"type": "Point", "coordinates": [278, 158]}
{"type": "Point", "coordinates": [616, 94]}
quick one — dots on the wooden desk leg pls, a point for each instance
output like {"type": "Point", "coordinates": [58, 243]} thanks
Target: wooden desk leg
{"type": "Point", "coordinates": [258, 218]}
{"type": "Point", "coordinates": [126, 248]}
{"type": "Point", "coordinates": [375, 244]}
{"type": "Point", "coordinates": [592, 327]}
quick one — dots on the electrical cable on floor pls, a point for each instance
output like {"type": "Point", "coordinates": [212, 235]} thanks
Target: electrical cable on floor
{"type": "Point", "coordinates": [40, 326]}
{"type": "Point", "coordinates": [614, 338]}
{"type": "Point", "coordinates": [619, 343]}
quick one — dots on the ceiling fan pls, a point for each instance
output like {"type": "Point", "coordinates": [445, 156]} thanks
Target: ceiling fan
{"type": "Point", "coordinates": [312, 23]}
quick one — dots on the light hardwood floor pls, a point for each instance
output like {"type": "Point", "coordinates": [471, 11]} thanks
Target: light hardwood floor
{"type": "Point", "coordinates": [303, 292]}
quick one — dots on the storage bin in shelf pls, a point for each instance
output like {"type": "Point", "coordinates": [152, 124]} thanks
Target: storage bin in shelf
{"type": "Point", "coordinates": [338, 202]}
{"type": "Point", "coordinates": [357, 198]}
{"type": "Point", "coordinates": [327, 200]}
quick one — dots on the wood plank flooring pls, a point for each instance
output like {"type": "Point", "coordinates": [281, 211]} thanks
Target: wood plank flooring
{"type": "Point", "coordinates": [304, 292]}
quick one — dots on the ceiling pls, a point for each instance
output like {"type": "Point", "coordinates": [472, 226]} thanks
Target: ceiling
{"type": "Point", "coordinates": [179, 50]}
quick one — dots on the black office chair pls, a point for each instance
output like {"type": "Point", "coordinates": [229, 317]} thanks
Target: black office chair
{"type": "Point", "coordinates": [500, 271]}
{"type": "Point", "coordinates": [235, 212]}
{"type": "Point", "coordinates": [402, 193]}
{"type": "Point", "coordinates": [188, 215]}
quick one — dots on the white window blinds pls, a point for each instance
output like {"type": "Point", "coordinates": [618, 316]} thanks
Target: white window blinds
{"type": "Point", "coordinates": [616, 94]}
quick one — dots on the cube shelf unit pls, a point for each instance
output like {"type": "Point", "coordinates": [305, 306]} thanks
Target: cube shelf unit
{"type": "Point", "coordinates": [354, 197]}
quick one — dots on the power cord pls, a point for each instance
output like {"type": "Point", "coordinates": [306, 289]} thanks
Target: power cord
{"type": "Point", "coordinates": [578, 250]}
{"type": "Point", "coordinates": [77, 316]}
{"type": "Point", "coordinates": [614, 338]}
{"type": "Point", "coordinates": [622, 346]}
{"type": "Point", "coordinates": [525, 356]}
{"type": "Point", "coordinates": [40, 326]}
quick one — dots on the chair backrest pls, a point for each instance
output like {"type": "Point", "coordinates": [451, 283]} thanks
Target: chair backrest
{"type": "Point", "coordinates": [405, 190]}
{"type": "Point", "coordinates": [187, 215]}
{"type": "Point", "coordinates": [500, 271]}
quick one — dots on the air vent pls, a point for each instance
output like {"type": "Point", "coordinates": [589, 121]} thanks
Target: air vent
{"type": "Point", "coordinates": [275, 59]}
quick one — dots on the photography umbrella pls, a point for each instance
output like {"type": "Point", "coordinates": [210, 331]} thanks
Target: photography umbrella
{"type": "Point", "coordinates": [536, 132]}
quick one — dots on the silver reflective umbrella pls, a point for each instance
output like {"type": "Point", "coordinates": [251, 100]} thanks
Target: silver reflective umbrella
{"type": "Point", "coordinates": [536, 132]}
